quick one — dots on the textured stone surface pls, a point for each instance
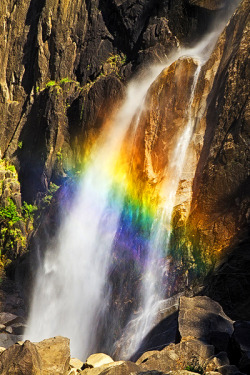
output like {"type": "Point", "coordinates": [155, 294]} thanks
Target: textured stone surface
{"type": "Point", "coordinates": [113, 368]}
{"type": "Point", "coordinates": [204, 319]}
{"type": "Point", "coordinates": [177, 357]}
{"type": "Point", "coordinates": [21, 359]}
{"type": "Point", "coordinates": [163, 120]}
{"type": "Point", "coordinates": [45, 41]}
{"type": "Point", "coordinates": [98, 359]}
{"type": "Point", "coordinates": [209, 4]}
{"type": "Point", "coordinates": [55, 355]}
{"type": "Point", "coordinates": [229, 284]}
{"type": "Point", "coordinates": [220, 199]}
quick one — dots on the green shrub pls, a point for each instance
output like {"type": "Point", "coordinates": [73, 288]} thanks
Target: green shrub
{"type": "Point", "coordinates": [28, 211]}
{"type": "Point", "coordinates": [12, 237]}
{"type": "Point", "coordinates": [65, 80]}
{"type": "Point", "coordinates": [50, 84]}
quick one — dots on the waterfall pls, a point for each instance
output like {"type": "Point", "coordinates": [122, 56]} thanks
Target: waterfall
{"type": "Point", "coordinates": [152, 288]}
{"type": "Point", "coordinates": [71, 292]}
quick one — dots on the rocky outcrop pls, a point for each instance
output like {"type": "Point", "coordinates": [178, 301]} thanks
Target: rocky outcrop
{"type": "Point", "coordinates": [196, 350]}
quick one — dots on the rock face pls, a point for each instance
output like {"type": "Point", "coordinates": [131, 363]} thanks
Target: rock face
{"type": "Point", "coordinates": [164, 118]}
{"type": "Point", "coordinates": [211, 212]}
{"type": "Point", "coordinates": [220, 198]}
{"type": "Point", "coordinates": [60, 46]}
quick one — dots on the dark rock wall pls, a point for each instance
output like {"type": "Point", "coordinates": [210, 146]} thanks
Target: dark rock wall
{"type": "Point", "coordinates": [47, 40]}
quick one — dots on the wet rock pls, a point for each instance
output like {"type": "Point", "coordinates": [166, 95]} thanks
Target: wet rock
{"type": "Point", "coordinates": [204, 319]}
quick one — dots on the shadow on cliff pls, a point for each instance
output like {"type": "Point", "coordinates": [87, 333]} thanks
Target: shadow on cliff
{"type": "Point", "coordinates": [229, 284]}
{"type": "Point", "coordinates": [31, 46]}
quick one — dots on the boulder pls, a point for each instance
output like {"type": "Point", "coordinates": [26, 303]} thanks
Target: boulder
{"type": "Point", "coordinates": [229, 370]}
{"type": "Point", "coordinates": [97, 360]}
{"type": "Point", "coordinates": [55, 355]}
{"type": "Point", "coordinates": [75, 363]}
{"type": "Point", "coordinates": [9, 319]}
{"type": "Point", "coordinates": [241, 339]}
{"type": "Point", "coordinates": [7, 340]}
{"type": "Point", "coordinates": [2, 327]}
{"type": "Point", "coordinates": [124, 368]}
{"type": "Point", "coordinates": [18, 328]}
{"type": "Point", "coordinates": [216, 361]}
{"type": "Point", "coordinates": [113, 368]}
{"type": "Point", "coordinates": [192, 353]}
{"type": "Point", "coordinates": [21, 359]}
{"type": "Point", "coordinates": [204, 319]}
{"type": "Point", "coordinates": [47, 357]}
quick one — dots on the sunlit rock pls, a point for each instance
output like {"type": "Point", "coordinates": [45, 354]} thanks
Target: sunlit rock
{"type": "Point", "coordinates": [55, 355]}
{"type": "Point", "coordinates": [21, 359]}
{"type": "Point", "coordinates": [218, 213]}
{"type": "Point", "coordinates": [116, 368]}
{"type": "Point", "coordinates": [75, 363]}
{"type": "Point", "coordinates": [98, 359]}
{"type": "Point", "coordinates": [177, 357]}
{"type": "Point", "coordinates": [164, 117]}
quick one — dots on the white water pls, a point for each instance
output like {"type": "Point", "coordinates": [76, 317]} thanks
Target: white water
{"type": "Point", "coordinates": [69, 290]}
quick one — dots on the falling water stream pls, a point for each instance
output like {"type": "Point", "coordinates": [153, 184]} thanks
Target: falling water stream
{"type": "Point", "coordinates": [71, 291]}
{"type": "Point", "coordinates": [69, 286]}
